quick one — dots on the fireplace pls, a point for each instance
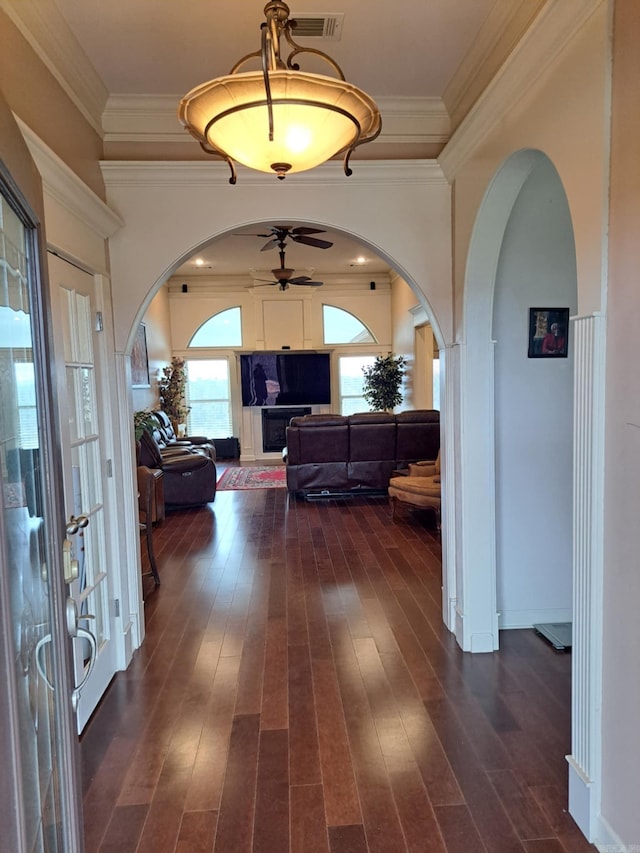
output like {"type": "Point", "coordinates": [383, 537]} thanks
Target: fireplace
{"type": "Point", "coordinates": [274, 426]}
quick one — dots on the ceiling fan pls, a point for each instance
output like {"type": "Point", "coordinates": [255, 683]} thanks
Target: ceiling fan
{"type": "Point", "coordinates": [279, 234]}
{"type": "Point", "coordinates": [284, 276]}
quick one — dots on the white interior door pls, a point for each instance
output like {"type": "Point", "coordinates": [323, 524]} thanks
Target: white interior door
{"type": "Point", "coordinates": [80, 397]}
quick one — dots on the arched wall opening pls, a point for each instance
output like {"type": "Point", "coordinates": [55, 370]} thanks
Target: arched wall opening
{"type": "Point", "coordinates": [533, 406]}
{"type": "Point", "coordinates": [516, 261]}
{"type": "Point", "coordinates": [398, 269]}
{"type": "Point", "coordinates": [400, 210]}
{"type": "Point", "coordinates": [269, 319]}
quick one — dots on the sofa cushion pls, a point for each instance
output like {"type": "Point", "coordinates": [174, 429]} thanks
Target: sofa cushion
{"type": "Point", "coordinates": [372, 437]}
{"type": "Point", "coordinates": [313, 439]}
{"type": "Point", "coordinates": [417, 436]}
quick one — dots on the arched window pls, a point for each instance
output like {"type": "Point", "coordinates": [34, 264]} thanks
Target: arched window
{"type": "Point", "coordinates": [222, 330]}
{"type": "Point", "coordinates": [342, 327]}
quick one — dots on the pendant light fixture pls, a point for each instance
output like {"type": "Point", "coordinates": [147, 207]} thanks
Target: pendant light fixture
{"type": "Point", "coordinates": [279, 120]}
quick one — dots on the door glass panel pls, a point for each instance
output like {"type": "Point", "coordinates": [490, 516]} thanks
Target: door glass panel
{"type": "Point", "coordinates": [26, 571]}
{"type": "Point", "coordinates": [96, 601]}
{"type": "Point", "coordinates": [72, 407]}
{"type": "Point", "coordinates": [87, 397]}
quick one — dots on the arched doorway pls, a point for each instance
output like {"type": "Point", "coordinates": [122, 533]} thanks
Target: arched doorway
{"type": "Point", "coordinates": [515, 201]}
{"type": "Point", "coordinates": [521, 255]}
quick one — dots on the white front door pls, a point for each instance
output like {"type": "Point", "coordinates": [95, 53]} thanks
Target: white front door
{"type": "Point", "coordinates": [80, 393]}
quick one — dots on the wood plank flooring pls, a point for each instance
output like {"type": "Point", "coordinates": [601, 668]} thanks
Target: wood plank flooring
{"type": "Point", "coordinates": [298, 693]}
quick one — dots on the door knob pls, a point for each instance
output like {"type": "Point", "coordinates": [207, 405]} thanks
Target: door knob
{"type": "Point", "coordinates": [74, 524]}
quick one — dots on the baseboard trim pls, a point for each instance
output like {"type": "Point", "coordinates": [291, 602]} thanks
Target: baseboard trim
{"type": "Point", "coordinates": [607, 840]}
{"type": "Point", "coordinates": [582, 799]}
{"type": "Point", "coordinates": [476, 643]}
{"type": "Point", "coordinates": [527, 618]}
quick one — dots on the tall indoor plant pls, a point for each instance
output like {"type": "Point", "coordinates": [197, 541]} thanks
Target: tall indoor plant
{"type": "Point", "coordinates": [382, 381]}
{"type": "Point", "coordinates": [172, 390]}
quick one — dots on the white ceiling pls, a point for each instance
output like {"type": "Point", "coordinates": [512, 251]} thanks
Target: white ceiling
{"type": "Point", "coordinates": [400, 50]}
{"type": "Point", "coordinates": [408, 48]}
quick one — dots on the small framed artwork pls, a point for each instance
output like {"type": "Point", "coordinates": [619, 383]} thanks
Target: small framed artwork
{"type": "Point", "coordinates": [140, 360]}
{"type": "Point", "coordinates": [548, 332]}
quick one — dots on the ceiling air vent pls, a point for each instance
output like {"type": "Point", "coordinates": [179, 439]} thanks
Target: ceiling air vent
{"type": "Point", "coordinates": [327, 27]}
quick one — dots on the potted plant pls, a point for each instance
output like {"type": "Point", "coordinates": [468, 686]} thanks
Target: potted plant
{"type": "Point", "coordinates": [172, 389]}
{"type": "Point", "coordinates": [142, 421]}
{"type": "Point", "coordinates": [382, 380]}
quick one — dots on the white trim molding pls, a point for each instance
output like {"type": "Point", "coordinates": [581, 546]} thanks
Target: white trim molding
{"type": "Point", "coordinates": [43, 26]}
{"type": "Point", "coordinates": [541, 46]}
{"type": "Point", "coordinates": [449, 367]}
{"type": "Point", "coordinates": [164, 173]}
{"type": "Point", "coordinates": [154, 119]}
{"type": "Point", "coordinates": [62, 184]}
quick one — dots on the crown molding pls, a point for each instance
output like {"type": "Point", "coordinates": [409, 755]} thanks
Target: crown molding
{"type": "Point", "coordinates": [188, 173]}
{"type": "Point", "coordinates": [557, 24]}
{"type": "Point", "coordinates": [63, 185]}
{"type": "Point", "coordinates": [505, 25]}
{"type": "Point", "coordinates": [154, 118]}
{"type": "Point", "coordinates": [47, 32]}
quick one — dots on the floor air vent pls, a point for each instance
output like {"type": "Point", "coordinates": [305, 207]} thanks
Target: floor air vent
{"type": "Point", "coordinates": [557, 633]}
{"type": "Point", "coordinates": [327, 27]}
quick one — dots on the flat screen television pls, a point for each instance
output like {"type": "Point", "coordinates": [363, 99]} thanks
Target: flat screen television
{"type": "Point", "coordinates": [285, 378]}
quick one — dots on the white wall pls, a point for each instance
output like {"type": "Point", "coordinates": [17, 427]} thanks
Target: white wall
{"type": "Point", "coordinates": [554, 97]}
{"type": "Point", "coordinates": [158, 332]}
{"type": "Point", "coordinates": [404, 343]}
{"type": "Point", "coordinates": [621, 652]}
{"type": "Point", "coordinates": [533, 411]}
{"type": "Point", "coordinates": [400, 210]}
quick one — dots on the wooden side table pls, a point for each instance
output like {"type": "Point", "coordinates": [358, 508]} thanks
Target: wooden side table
{"type": "Point", "coordinates": [150, 502]}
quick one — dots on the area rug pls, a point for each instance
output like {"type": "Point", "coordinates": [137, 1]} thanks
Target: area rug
{"type": "Point", "coordinates": [268, 477]}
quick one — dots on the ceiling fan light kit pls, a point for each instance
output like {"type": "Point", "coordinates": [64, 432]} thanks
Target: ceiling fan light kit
{"type": "Point", "coordinates": [279, 120]}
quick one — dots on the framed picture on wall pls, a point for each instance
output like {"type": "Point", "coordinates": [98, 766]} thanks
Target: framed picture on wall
{"type": "Point", "coordinates": [548, 332]}
{"type": "Point", "coordinates": [140, 360]}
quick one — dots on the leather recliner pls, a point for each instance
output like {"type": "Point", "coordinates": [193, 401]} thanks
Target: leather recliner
{"type": "Point", "coordinates": [166, 439]}
{"type": "Point", "coordinates": [189, 478]}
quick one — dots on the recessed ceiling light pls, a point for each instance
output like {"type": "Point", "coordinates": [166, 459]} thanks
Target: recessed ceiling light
{"type": "Point", "coordinates": [199, 262]}
{"type": "Point", "coordinates": [358, 262]}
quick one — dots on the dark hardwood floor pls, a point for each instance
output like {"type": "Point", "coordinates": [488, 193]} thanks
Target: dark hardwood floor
{"type": "Point", "coordinates": [297, 691]}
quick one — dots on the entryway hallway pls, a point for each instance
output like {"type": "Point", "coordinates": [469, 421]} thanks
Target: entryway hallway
{"type": "Point", "coordinates": [297, 691]}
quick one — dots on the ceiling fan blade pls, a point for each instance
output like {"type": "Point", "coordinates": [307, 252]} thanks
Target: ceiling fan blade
{"type": "Point", "coordinates": [307, 283]}
{"type": "Point", "coordinates": [299, 279]}
{"type": "Point", "coordinates": [304, 230]}
{"type": "Point", "coordinates": [270, 245]}
{"type": "Point", "coordinates": [311, 241]}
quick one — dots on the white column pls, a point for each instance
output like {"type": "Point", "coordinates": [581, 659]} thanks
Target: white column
{"type": "Point", "coordinates": [588, 521]}
{"type": "Point", "coordinates": [449, 368]}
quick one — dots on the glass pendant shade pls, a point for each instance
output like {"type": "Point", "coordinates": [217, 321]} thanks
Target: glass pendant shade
{"type": "Point", "coordinates": [314, 118]}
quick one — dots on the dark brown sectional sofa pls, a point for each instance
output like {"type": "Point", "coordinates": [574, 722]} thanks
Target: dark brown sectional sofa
{"type": "Point", "coordinates": [337, 454]}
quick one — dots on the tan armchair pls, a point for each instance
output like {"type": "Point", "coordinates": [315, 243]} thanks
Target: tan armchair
{"type": "Point", "coordinates": [419, 488]}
